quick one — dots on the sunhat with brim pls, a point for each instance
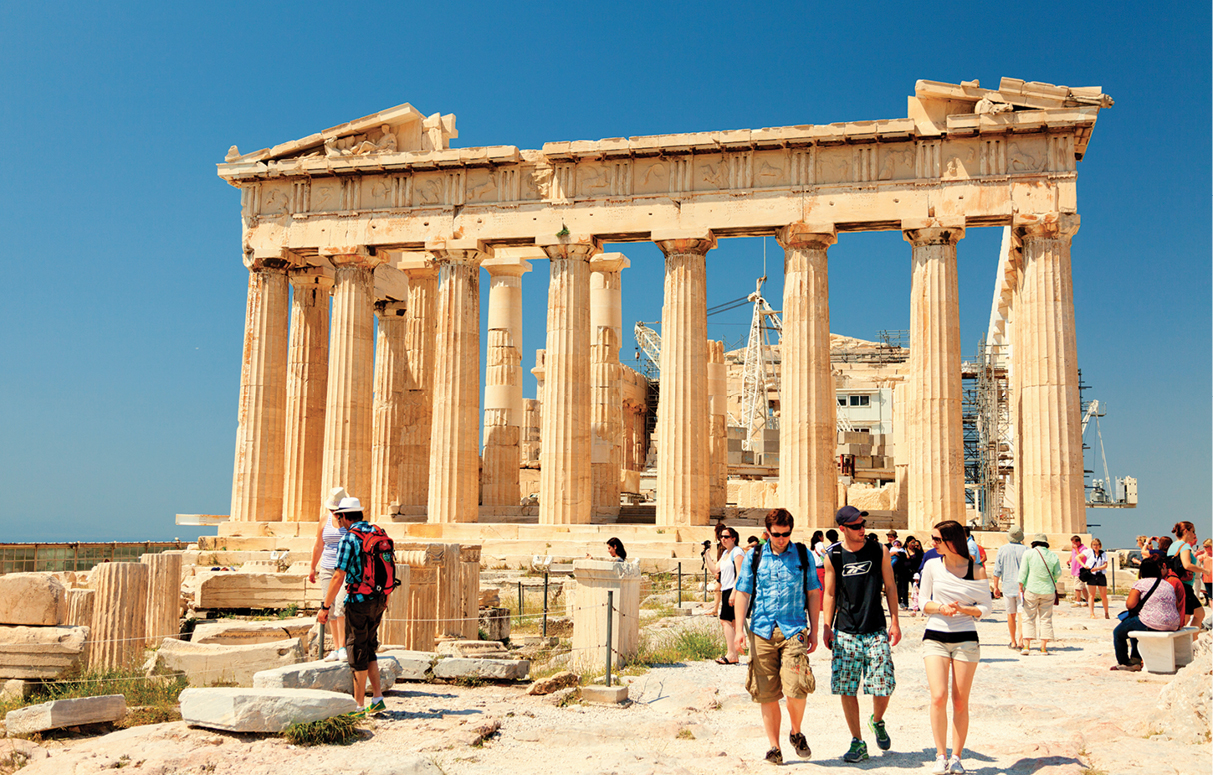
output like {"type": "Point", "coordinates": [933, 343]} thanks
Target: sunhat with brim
{"type": "Point", "coordinates": [336, 495]}
{"type": "Point", "coordinates": [347, 505]}
{"type": "Point", "coordinates": [1040, 538]}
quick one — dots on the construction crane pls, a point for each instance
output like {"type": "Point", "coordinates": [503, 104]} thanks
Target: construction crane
{"type": "Point", "coordinates": [649, 342]}
{"type": "Point", "coordinates": [756, 414]}
{"type": "Point", "coordinates": [1104, 491]}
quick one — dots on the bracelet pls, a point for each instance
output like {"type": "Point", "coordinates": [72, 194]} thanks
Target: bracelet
{"type": "Point", "coordinates": [324, 607]}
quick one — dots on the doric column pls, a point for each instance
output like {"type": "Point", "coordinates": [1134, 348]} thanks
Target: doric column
{"type": "Point", "coordinates": [454, 440]}
{"type": "Point", "coordinates": [306, 391]}
{"type": "Point", "coordinates": [1046, 361]}
{"type": "Point", "coordinates": [808, 475]}
{"type": "Point", "coordinates": [606, 420]}
{"type": "Point", "coordinates": [119, 631]}
{"type": "Point", "coordinates": [163, 596]}
{"type": "Point", "coordinates": [257, 479]}
{"type": "Point", "coordinates": [564, 469]}
{"type": "Point", "coordinates": [682, 408]}
{"type": "Point", "coordinates": [503, 409]}
{"type": "Point", "coordinates": [718, 439]}
{"type": "Point", "coordinates": [347, 415]}
{"type": "Point", "coordinates": [387, 423]}
{"type": "Point", "coordinates": [934, 434]}
{"type": "Point", "coordinates": [421, 320]}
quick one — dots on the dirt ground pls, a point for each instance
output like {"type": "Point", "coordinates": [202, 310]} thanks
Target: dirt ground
{"type": "Point", "coordinates": [1064, 713]}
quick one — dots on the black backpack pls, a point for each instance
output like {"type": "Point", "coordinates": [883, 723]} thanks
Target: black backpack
{"type": "Point", "coordinates": [1176, 563]}
{"type": "Point", "coordinates": [804, 570]}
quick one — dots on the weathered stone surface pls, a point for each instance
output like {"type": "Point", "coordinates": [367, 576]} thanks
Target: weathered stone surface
{"type": "Point", "coordinates": [255, 590]}
{"type": "Point", "coordinates": [260, 710]}
{"type": "Point", "coordinates": [495, 622]}
{"type": "Point", "coordinates": [412, 665]}
{"type": "Point", "coordinates": [206, 664]}
{"type": "Point", "coordinates": [13, 689]}
{"type": "Point", "coordinates": [58, 714]}
{"type": "Point", "coordinates": [479, 649]}
{"type": "Point", "coordinates": [163, 596]}
{"type": "Point", "coordinates": [609, 695]}
{"type": "Point", "coordinates": [494, 669]}
{"type": "Point", "coordinates": [32, 598]}
{"type": "Point", "coordinates": [119, 630]}
{"type": "Point", "coordinates": [1187, 701]}
{"type": "Point", "coordinates": [563, 680]}
{"type": "Point", "coordinates": [41, 652]}
{"type": "Point", "coordinates": [326, 676]}
{"type": "Point", "coordinates": [233, 632]}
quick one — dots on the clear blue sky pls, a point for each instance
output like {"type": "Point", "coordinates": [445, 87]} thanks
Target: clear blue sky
{"type": "Point", "coordinates": [121, 328]}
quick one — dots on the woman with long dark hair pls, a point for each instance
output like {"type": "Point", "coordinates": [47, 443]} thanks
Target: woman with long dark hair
{"type": "Point", "coordinates": [955, 595]}
{"type": "Point", "coordinates": [1152, 605]}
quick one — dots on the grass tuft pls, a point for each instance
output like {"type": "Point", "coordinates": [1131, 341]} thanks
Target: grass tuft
{"type": "Point", "coordinates": [338, 730]}
{"type": "Point", "coordinates": [151, 700]}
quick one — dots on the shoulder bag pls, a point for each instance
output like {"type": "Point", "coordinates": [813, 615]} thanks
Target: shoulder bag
{"type": "Point", "coordinates": [1056, 596]}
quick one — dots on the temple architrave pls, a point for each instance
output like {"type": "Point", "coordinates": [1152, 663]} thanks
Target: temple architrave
{"type": "Point", "coordinates": [382, 217]}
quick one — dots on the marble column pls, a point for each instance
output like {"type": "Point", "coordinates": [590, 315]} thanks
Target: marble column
{"type": "Point", "coordinates": [718, 438]}
{"type": "Point", "coordinates": [564, 471]}
{"type": "Point", "coordinates": [306, 391]}
{"type": "Point", "coordinates": [421, 321]}
{"type": "Point", "coordinates": [808, 474]}
{"type": "Point", "coordinates": [503, 408]}
{"type": "Point", "coordinates": [682, 408]}
{"type": "Point", "coordinates": [454, 439]}
{"type": "Point", "coordinates": [163, 618]}
{"type": "Point", "coordinates": [934, 434]}
{"type": "Point", "coordinates": [348, 408]}
{"type": "Point", "coordinates": [119, 631]}
{"type": "Point", "coordinates": [1046, 362]}
{"type": "Point", "coordinates": [257, 479]}
{"type": "Point", "coordinates": [606, 401]}
{"type": "Point", "coordinates": [387, 417]}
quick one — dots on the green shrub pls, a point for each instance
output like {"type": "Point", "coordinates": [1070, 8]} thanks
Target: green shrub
{"type": "Point", "coordinates": [338, 730]}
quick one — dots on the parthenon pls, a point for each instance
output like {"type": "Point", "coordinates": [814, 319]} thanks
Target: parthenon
{"type": "Point", "coordinates": [381, 395]}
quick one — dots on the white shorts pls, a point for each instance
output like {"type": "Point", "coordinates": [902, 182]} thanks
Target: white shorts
{"type": "Point", "coordinates": [323, 578]}
{"type": "Point", "coordinates": [964, 651]}
{"type": "Point", "coordinates": [1013, 602]}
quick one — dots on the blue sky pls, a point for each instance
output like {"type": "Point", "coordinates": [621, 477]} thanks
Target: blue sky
{"type": "Point", "coordinates": [120, 334]}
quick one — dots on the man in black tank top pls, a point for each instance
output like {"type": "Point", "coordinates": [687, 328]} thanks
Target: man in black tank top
{"type": "Point", "coordinates": [858, 573]}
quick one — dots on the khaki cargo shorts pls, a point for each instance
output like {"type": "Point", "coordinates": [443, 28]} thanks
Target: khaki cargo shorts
{"type": "Point", "coordinates": [779, 668]}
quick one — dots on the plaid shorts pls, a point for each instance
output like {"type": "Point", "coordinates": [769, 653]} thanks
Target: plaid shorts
{"type": "Point", "coordinates": [865, 656]}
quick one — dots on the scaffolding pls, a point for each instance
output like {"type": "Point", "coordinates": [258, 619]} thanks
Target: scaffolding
{"type": "Point", "coordinates": [986, 423]}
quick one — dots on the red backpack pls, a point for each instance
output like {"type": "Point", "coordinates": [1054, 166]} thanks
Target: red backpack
{"type": "Point", "coordinates": [378, 564]}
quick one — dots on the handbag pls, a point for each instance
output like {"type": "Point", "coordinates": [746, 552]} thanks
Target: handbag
{"type": "Point", "coordinates": [1141, 601]}
{"type": "Point", "coordinates": [1056, 595]}
{"type": "Point", "coordinates": [1085, 575]}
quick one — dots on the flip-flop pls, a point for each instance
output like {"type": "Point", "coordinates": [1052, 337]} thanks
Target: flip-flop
{"type": "Point", "coordinates": [723, 661]}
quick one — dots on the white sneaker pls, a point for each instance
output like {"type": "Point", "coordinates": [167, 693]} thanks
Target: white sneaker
{"type": "Point", "coordinates": [941, 765]}
{"type": "Point", "coordinates": [954, 765]}
{"type": "Point", "coordinates": [337, 656]}
{"type": "Point", "coordinates": [331, 656]}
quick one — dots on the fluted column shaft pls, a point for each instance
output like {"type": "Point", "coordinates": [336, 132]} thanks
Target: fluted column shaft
{"type": "Point", "coordinates": [606, 401]}
{"type": "Point", "coordinates": [163, 619]}
{"type": "Point", "coordinates": [421, 321]}
{"type": "Point", "coordinates": [454, 441]}
{"type": "Point", "coordinates": [257, 478]}
{"type": "Point", "coordinates": [565, 494]}
{"type": "Point", "coordinates": [503, 409]}
{"type": "Point", "coordinates": [808, 475]}
{"type": "Point", "coordinates": [718, 440]}
{"type": "Point", "coordinates": [1046, 360]}
{"type": "Point", "coordinates": [682, 409]}
{"type": "Point", "coordinates": [119, 615]}
{"type": "Point", "coordinates": [934, 434]}
{"type": "Point", "coordinates": [387, 420]}
{"type": "Point", "coordinates": [348, 408]}
{"type": "Point", "coordinates": [306, 392]}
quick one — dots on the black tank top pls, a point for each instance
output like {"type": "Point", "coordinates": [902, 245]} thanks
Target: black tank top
{"type": "Point", "coordinates": [858, 587]}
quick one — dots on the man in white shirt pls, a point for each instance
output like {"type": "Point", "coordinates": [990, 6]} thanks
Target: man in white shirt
{"type": "Point", "coordinates": [1006, 566]}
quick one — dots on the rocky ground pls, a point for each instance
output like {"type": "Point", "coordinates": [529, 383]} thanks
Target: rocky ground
{"type": "Point", "coordinates": [1065, 713]}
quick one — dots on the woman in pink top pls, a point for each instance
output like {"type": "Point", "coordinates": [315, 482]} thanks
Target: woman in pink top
{"type": "Point", "coordinates": [1152, 605]}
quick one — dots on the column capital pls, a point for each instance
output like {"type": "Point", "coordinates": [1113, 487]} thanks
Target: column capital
{"type": "Point", "coordinates": [932, 231]}
{"type": "Point", "coordinates": [459, 250]}
{"type": "Point", "coordinates": [609, 262]}
{"type": "Point", "coordinates": [1044, 226]}
{"type": "Point", "coordinates": [807, 235]}
{"type": "Point", "coordinates": [673, 241]}
{"type": "Point", "coordinates": [506, 266]}
{"type": "Point", "coordinates": [575, 246]}
{"type": "Point", "coordinates": [309, 276]}
{"type": "Point", "coordinates": [358, 256]}
{"type": "Point", "coordinates": [417, 265]}
{"type": "Point", "coordinates": [278, 259]}
{"type": "Point", "coordinates": [387, 308]}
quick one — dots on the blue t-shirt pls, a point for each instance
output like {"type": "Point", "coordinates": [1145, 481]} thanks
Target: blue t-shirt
{"type": "Point", "coordinates": [781, 593]}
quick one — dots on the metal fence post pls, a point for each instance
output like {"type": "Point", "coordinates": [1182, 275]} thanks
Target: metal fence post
{"type": "Point", "coordinates": [680, 585]}
{"type": "Point", "coordinates": [610, 627]}
{"type": "Point", "coordinates": [520, 602]}
{"type": "Point", "coordinates": [545, 604]}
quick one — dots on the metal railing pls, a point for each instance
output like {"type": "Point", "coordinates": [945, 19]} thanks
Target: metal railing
{"type": "Point", "coordinates": [76, 556]}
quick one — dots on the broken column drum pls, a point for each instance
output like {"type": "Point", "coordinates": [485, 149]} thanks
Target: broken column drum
{"type": "Point", "coordinates": [163, 596]}
{"type": "Point", "coordinates": [119, 615]}
{"type": "Point", "coordinates": [589, 610]}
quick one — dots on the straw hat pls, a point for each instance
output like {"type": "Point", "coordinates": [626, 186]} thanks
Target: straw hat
{"type": "Point", "coordinates": [335, 498]}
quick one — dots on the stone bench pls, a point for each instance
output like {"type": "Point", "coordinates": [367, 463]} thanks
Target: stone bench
{"type": "Point", "coordinates": [1164, 652]}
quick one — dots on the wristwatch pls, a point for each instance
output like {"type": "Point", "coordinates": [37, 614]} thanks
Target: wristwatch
{"type": "Point", "coordinates": [324, 607]}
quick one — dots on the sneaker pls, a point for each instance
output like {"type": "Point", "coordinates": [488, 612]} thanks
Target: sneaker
{"type": "Point", "coordinates": [857, 752]}
{"type": "Point", "coordinates": [342, 656]}
{"type": "Point", "coordinates": [882, 735]}
{"type": "Point", "coordinates": [800, 744]}
{"type": "Point", "coordinates": [941, 765]}
{"type": "Point", "coordinates": [378, 706]}
{"type": "Point", "coordinates": [331, 656]}
{"type": "Point", "coordinates": [954, 765]}
{"type": "Point", "coordinates": [775, 756]}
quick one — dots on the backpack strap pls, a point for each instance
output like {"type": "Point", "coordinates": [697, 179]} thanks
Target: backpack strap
{"type": "Point", "coordinates": [804, 572]}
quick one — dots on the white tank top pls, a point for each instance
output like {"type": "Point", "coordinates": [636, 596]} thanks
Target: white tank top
{"type": "Point", "coordinates": [332, 537]}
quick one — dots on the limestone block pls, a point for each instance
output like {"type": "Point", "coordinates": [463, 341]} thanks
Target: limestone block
{"type": "Point", "coordinates": [256, 590]}
{"type": "Point", "coordinates": [32, 598]}
{"type": "Point", "coordinates": [495, 623]}
{"type": "Point", "coordinates": [868, 498]}
{"type": "Point", "coordinates": [594, 579]}
{"type": "Point", "coordinates": [490, 598]}
{"type": "Point", "coordinates": [163, 596]}
{"type": "Point", "coordinates": [1186, 703]}
{"type": "Point", "coordinates": [479, 649]}
{"type": "Point", "coordinates": [14, 689]}
{"type": "Point", "coordinates": [80, 613]}
{"type": "Point", "coordinates": [492, 669]}
{"type": "Point", "coordinates": [412, 665]}
{"type": "Point", "coordinates": [607, 695]}
{"type": "Point", "coordinates": [233, 632]}
{"type": "Point", "coordinates": [207, 664]}
{"type": "Point", "coordinates": [260, 710]}
{"type": "Point", "coordinates": [41, 652]}
{"type": "Point", "coordinates": [119, 614]}
{"type": "Point", "coordinates": [393, 627]}
{"type": "Point", "coordinates": [327, 676]}
{"type": "Point", "coordinates": [562, 680]}
{"type": "Point", "coordinates": [59, 714]}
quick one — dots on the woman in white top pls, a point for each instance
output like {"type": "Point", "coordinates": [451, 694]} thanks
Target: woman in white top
{"type": "Point", "coordinates": [324, 556]}
{"type": "Point", "coordinates": [728, 566]}
{"type": "Point", "coordinates": [955, 594]}
{"type": "Point", "coordinates": [1095, 560]}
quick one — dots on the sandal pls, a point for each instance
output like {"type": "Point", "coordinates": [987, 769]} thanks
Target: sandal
{"type": "Point", "coordinates": [1126, 668]}
{"type": "Point", "coordinates": [723, 661]}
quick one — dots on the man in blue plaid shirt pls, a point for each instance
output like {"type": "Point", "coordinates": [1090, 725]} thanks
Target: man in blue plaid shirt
{"type": "Point", "coordinates": [362, 612]}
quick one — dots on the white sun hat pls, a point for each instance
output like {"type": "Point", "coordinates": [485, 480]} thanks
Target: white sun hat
{"type": "Point", "coordinates": [335, 497]}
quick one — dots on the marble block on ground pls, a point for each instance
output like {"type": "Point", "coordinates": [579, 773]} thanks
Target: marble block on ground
{"type": "Point", "coordinates": [208, 664]}
{"type": "Point", "coordinates": [58, 714]}
{"type": "Point", "coordinates": [477, 649]}
{"type": "Point", "coordinates": [37, 599]}
{"type": "Point", "coordinates": [225, 589]}
{"type": "Point", "coordinates": [492, 669]}
{"type": "Point", "coordinates": [326, 676]}
{"type": "Point", "coordinates": [412, 665]}
{"type": "Point", "coordinates": [40, 652]}
{"type": "Point", "coordinates": [234, 632]}
{"type": "Point", "coordinates": [260, 710]}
